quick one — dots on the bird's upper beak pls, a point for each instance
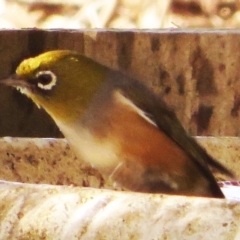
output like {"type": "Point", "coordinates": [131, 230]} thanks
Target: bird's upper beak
{"type": "Point", "coordinates": [14, 81]}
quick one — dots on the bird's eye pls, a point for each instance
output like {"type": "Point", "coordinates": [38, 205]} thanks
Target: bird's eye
{"type": "Point", "coordinates": [46, 80]}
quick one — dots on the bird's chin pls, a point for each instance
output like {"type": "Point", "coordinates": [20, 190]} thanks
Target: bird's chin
{"type": "Point", "coordinates": [23, 90]}
{"type": "Point", "coordinates": [28, 92]}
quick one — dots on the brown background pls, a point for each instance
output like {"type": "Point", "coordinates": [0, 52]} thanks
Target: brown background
{"type": "Point", "coordinates": [195, 71]}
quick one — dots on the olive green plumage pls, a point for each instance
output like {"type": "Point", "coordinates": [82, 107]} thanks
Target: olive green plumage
{"type": "Point", "coordinates": [67, 67]}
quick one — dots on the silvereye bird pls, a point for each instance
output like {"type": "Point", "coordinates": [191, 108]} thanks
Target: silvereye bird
{"type": "Point", "coordinates": [118, 125]}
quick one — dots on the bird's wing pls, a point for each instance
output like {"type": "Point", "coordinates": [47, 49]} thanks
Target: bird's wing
{"type": "Point", "coordinates": [158, 113]}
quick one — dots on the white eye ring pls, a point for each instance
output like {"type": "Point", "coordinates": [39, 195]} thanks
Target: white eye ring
{"type": "Point", "coordinates": [50, 83]}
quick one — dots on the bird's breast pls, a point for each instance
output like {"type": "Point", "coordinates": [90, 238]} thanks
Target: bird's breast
{"type": "Point", "coordinates": [101, 154]}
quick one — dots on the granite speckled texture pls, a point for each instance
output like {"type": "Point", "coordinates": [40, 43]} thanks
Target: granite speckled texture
{"type": "Point", "coordinates": [40, 211]}
{"type": "Point", "coordinates": [51, 161]}
{"type": "Point", "coordinates": [63, 212]}
{"type": "Point", "coordinates": [44, 161]}
{"type": "Point", "coordinates": [224, 149]}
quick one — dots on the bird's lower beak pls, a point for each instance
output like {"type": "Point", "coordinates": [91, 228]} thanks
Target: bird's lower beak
{"type": "Point", "coordinates": [14, 81]}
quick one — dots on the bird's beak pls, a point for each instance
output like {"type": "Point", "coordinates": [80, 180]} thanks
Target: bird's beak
{"type": "Point", "coordinates": [14, 81]}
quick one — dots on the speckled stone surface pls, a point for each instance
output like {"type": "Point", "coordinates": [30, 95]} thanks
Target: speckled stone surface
{"type": "Point", "coordinates": [225, 149]}
{"type": "Point", "coordinates": [40, 211]}
{"type": "Point", "coordinates": [51, 161]}
{"type": "Point", "coordinates": [62, 212]}
{"type": "Point", "coordinates": [44, 161]}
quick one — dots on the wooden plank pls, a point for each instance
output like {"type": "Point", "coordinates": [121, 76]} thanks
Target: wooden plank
{"type": "Point", "coordinates": [195, 71]}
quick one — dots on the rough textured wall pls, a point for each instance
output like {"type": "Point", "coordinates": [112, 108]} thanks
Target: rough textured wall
{"type": "Point", "coordinates": [195, 71]}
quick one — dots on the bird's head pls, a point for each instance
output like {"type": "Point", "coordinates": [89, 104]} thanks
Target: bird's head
{"type": "Point", "coordinates": [61, 81]}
